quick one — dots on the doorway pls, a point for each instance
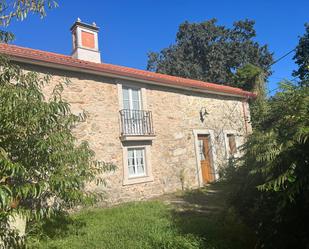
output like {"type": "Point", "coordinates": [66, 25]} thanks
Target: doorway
{"type": "Point", "coordinates": [205, 158]}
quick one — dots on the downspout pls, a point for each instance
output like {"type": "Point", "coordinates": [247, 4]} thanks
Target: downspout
{"type": "Point", "coordinates": [245, 114]}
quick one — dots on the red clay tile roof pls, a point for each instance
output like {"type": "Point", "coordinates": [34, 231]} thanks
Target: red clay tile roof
{"type": "Point", "coordinates": [59, 59]}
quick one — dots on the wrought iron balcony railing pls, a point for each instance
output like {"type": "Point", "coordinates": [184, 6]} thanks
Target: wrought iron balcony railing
{"type": "Point", "coordinates": [136, 122]}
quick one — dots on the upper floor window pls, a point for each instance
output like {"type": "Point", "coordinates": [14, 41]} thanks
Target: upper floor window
{"type": "Point", "coordinates": [131, 98]}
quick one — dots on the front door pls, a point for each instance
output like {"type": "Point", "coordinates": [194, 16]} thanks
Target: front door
{"type": "Point", "coordinates": [205, 158]}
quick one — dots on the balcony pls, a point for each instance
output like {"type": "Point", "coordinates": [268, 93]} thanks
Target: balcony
{"type": "Point", "coordinates": [136, 125]}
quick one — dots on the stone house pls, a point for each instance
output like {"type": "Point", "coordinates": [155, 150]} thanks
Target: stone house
{"type": "Point", "coordinates": [164, 133]}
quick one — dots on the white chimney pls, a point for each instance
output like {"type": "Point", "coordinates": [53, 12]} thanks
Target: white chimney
{"type": "Point", "coordinates": [85, 41]}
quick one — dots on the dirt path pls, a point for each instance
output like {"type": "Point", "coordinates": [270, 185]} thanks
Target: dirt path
{"type": "Point", "coordinates": [207, 200]}
{"type": "Point", "coordinates": [206, 213]}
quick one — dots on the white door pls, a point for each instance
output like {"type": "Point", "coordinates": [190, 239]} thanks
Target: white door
{"type": "Point", "coordinates": [132, 110]}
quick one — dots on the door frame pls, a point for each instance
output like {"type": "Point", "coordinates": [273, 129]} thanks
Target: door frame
{"type": "Point", "coordinates": [213, 159]}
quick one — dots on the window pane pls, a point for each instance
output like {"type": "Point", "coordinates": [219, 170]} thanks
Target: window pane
{"type": "Point", "coordinates": [136, 162]}
{"type": "Point", "coordinates": [126, 98]}
{"type": "Point", "coordinates": [139, 153]}
{"type": "Point", "coordinates": [131, 171]}
{"type": "Point", "coordinates": [232, 144]}
{"type": "Point", "coordinates": [140, 170]}
{"type": "Point", "coordinates": [136, 105]}
{"type": "Point", "coordinates": [130, 153]}
{"type": "Point", "coordinates": [135, 95]}
{"type": "Point", "coordinates": [126, 104]}
{"type": "Point", "coordinates": [125, 93]}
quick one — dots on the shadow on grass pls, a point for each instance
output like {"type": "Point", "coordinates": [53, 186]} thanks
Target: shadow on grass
{"type": "Point", "coordinates": [205, 213]}
{"type": "Point", "coordinates": [59, 226]}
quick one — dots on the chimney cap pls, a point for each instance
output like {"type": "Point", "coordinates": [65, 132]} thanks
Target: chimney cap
{"type": "Point", "coordinates": [78, 22]}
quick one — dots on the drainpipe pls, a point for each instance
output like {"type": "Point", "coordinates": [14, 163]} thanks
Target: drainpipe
{"type": "Point", "coordinates": [244, 113]}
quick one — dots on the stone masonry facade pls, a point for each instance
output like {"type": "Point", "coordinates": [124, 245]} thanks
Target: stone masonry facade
{"type": "Point", "coordinates": [176, 121]}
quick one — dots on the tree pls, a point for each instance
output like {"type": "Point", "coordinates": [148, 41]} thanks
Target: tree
{"type": "Point", "coordinates": [302, 56]}
{"type": "Point", "coordinates": [272, 183]}
{"type": "Point", "coordinates": [252, 78]}
{"type": "Point", "coordinates": [19, 10]}
{"type": "Point", "coordinates": [210, 52]}
{"type": "Point", "coordinates": [43, 168]}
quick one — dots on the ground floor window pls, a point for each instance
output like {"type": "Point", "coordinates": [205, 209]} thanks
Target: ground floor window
{"type": "Point", "coordinates": [136, 162]}
{"type": "Point", "coordinates": [231, 144]}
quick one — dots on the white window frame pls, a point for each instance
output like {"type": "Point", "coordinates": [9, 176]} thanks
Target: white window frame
{"type": "Point", "coordinates": [226, 133]}
{"type": "Point", "coordinates": [147, 177]}
{"type": "Point", "coordinates": [131, 98]}
{"type": "Point", "coordinates": [211, 135]}
{"type": "Point", "coordinates": [143, 93]}
{"type": "Point", "coordinates": [135, 160]}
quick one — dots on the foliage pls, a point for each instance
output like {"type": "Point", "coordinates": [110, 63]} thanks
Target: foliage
{"type": "Point", "coordinates": [19, 10]}
{"type": "Point", "coordinates": [43, 168]}
{"type": "Point", "coordinates": [210, 52]}
{"type": "Point", "coordinates": [250, 78]}
{"type": "Point", "coordinates": [302, 56]}
{"type": "Point", "coordinates": [273, 181]}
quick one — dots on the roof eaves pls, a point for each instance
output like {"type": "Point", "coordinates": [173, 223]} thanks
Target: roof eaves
{"type": "Point", "coordinates": [170, 81]}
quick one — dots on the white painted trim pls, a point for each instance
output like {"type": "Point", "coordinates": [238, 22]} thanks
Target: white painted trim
{"type": "Point", "coordinates": [137, 137]}
{"type": "Point", "coordinates": [120, 100]}
{"type": "Point", "coordinates": [148, 169]}
{"type": "Point", "coordinates": [120, 105]}
{"type": "Point", "coordinates": [144, 98]}
{"type": "Point", "coordinates": [211, 134]}
{"type": "Point", "coordinates": [226, 143]}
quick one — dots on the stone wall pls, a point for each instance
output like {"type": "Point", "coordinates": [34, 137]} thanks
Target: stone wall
{"type": "Point", "coordinates": [175, 116]}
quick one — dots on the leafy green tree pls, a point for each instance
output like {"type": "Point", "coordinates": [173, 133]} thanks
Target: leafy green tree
{"type": "Point", "coordinates": [302, 56]}
{"type": "Point", "coordinates": [273, 182]}
{"type": "Point", "coordinates": [252, 78]}
{"type": "Point", "coordinates": [19, 10]}
{"type": "Point", "coordinates": [210, 52]}
{"type": "Point", "coordinates": [43, 168]}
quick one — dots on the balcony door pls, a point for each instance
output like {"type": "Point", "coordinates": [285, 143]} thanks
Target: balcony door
{"type": "Point", "coordinates": [134, 119]}
{"type": "Point", "coordinates": [131, 98]}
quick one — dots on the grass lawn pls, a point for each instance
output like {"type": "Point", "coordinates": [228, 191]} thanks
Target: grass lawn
{"type": "Point", "coordinates": [197, 219]}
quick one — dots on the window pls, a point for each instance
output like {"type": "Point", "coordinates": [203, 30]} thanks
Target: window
{"type": "Point", "coordinates": [231, 144]}
{"type": "Point", "coordinates": [136, 162]}
{"type": "Point", "coordinates": [131, 98]}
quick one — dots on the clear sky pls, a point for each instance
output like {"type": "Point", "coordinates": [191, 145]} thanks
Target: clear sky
{"type": "Point", "coordinates": [129, 29]}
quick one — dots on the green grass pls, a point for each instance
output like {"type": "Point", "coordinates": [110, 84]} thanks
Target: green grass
{"type": "Point", "coordinates": [151, 224]}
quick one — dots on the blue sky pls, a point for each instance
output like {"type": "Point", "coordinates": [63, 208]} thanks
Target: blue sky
{"type": "Point", "coordinates": [130, 29]}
